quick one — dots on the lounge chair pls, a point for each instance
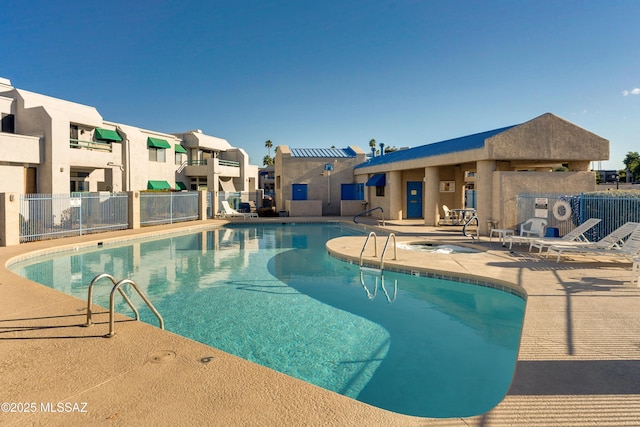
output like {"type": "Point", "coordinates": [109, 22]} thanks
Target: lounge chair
{"type": "Point", "coordinates": [533, 227]}
{"type": "Point", "coordinates": [577, 235]}
{"type": "Point", "coordinates": [229, 212]}
{"type": "Point", "coordinates": [613, 243]}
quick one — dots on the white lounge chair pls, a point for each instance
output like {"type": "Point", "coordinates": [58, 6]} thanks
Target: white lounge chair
{"type": "Point", "coordinates": [533, 227]}
{"type": "Point", "coordinates": [577, 234]}
{"type": "Point", "coordinates": [448, 216]}
{"type": "Point", "coordinates": [624, 241]}
{"type": "Point", "coordinates": [229, 212]}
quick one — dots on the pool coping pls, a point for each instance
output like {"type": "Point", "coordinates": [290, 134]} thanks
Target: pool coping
{"type": "Point", "coordinates": [567, 371]}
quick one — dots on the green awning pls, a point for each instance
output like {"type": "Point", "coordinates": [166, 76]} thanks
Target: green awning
{"type": "Point", "coordinates": [107, 135]}
{"type": "Point", "coordinates": [158, 185]}
{"type": "Point", "coordinates": [180, 149]}
{"type": "Point", "coordinates": [181, 186]}
{"type": "Point", "coordinates": [157, 143]}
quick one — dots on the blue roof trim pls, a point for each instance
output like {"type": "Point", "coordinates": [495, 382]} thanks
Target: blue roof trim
{"type": "Point", "coordinates": [322, 152]}
{"type": "Point", "coordinates": [464, 143]}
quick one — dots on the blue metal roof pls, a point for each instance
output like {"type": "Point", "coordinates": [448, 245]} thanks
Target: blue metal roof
{"type": "Point", "coordinates": [322, 152]}
{"type": "Point", "coordinates": [377, 180]}
{"type": "Point", "coordinates": [464, 143]}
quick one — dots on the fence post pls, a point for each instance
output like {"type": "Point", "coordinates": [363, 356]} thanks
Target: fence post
{"type": "Point", "coordinates": [202, 205]}
{"type": "Point", "coordinates": [134, 209]}
{"type": "Point", "coordinates": [10, 222]}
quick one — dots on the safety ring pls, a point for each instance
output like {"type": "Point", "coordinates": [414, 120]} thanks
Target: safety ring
{"type": "Point", "coordinates": [562, 210]}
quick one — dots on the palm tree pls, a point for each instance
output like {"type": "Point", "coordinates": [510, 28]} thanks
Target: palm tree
{"type": "Point", "coordinates": [267, 160]}
{"type": "Point", "coordinates": [372, 143]}
{"type": "Point", "coordinates": [268, 144]}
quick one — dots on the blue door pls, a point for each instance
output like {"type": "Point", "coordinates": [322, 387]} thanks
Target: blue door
{"type": "Point", "coordinates": [414, 199]}
{"type": "Point", "coordinates": [299, 192]}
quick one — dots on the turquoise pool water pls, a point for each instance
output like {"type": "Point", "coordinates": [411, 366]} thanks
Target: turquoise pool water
{"type": "Point", "coordinates": [272, 295]}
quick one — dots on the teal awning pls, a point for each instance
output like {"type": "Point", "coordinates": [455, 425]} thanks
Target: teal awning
{"type": "Point", "coordinates": [377, 180]}
{"type": "Point", "coordinates": [181, 186]}
{"type": "Point", "coordinates": [107, 135]}
{"type": "Point", "coordinates": [179, 148]}
{"type": "Point", "coordinates": [157, 143]}
{"type": "Point", "coordinates": [158, 185]}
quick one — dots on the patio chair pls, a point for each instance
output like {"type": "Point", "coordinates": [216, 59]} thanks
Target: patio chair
{"type": "Point", "coordinates": [229, 212]}
{"type": "Point", "coordinates": [577, 234]}
{"type": "Point", "coordinates": [533, 227]}
{"type": "Point", "coordinates": [448, 216]}
{"type": "Point", "coordinates": [624, 241]}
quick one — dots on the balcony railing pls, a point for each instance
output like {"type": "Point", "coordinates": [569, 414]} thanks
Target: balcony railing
{"type": "Point", "coordinates": [90, 145]}
{"type": "Point", "coordinates": [220, 162]}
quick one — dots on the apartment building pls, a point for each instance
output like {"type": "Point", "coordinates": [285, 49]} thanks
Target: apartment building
{"type": "Point", "coordinates": [50, 145]}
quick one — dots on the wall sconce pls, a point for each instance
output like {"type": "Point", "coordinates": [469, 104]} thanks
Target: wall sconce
{"type": "Point", "coordinates": [61, 169]}
{"type": "Point", "coordinates": [12, 197]}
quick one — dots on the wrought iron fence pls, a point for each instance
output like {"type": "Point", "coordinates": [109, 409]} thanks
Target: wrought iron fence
{"type": "Point", "coordinates": [168, 207]}
{"type": "Point", "coordinates": [48, 216]}
{"type": "Point", "coordinates": [612, 207]}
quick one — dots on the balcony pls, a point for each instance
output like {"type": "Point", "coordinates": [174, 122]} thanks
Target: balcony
{"type": "Point", "coordinates": [224, 168]}
{"type": "Point", "coordinates": [90, 145]}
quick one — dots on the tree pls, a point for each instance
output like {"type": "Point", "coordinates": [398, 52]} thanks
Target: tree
{"type": "Point", "coordinates": [267, 160]}
{"type": "Point", "coordinates": [268, 144]}
{"type": "Point", "coordinates": [632, 164]}
{"type": "Point", "coordinates": [372, 143]}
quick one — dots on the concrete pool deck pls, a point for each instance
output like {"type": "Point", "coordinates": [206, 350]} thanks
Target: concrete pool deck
{"type": "Point", "coordinates": [579, 359]}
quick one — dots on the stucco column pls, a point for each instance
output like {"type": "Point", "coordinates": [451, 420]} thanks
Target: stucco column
{"type": "Point", "coordinates": [202, 205]}
{"type": "Point", "coordinates": [134, 209]}
{"type": "Point", "coordinates": [431, 195]}
{"type": "Point", "coordinates": [395, 194]}
{"type": "Point", "coordinates": [10, 225]}
{"type": "Point", "coordinates": [484, 194]}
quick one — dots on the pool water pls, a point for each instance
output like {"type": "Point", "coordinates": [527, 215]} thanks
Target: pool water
{"type": "Point", "coordinates": [271, 294]}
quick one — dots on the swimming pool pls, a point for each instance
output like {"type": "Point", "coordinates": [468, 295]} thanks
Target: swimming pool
{"type": "Point", "coordinates": [270, 293]}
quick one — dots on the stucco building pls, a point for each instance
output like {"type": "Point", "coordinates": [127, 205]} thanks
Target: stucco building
{"type": "Point", "coordinates": [50, 145]}
{"type": "Point", "coordinates": [417, 182]}
{"type": "Point", "coordinates": [309, 182]}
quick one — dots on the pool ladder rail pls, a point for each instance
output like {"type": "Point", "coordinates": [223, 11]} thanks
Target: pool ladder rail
{"type": "Point", "coordinates": [117, 286]}
{"type": "Point", "coordinates": [375, 250]}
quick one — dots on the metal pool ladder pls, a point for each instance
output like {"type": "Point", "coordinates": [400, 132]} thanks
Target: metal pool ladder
{"type": "Point", "coordinates": [375, 249]}
{"type": "Point", "coordinates": [117, 286]}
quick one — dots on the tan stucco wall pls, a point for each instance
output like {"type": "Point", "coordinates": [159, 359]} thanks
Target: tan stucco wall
{"type": "Point", "coordinates": [321, 184]}
{"type": "Point", "coordinates": [547, 138]}
{"type": "Point", "coordinates": [304, 207]}
{"type": "Point", "coordinates": [507, 186]}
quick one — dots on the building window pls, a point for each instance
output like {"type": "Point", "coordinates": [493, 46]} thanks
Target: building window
{"type": "Point", "coordinates": [380, 191]}
{"type": "Point", "coordinates": [157, 154]}
{"type": "Point", "coordinates": [179, 158]}
{"type": "Point", "coordinates": [8, 123]}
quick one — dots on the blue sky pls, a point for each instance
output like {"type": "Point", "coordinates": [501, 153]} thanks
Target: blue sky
{"type": "Point", "coordinates": [334, 73]}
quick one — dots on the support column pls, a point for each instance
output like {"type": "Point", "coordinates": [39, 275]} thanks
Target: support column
{"type": "Point", "coordinates": [202, 205]}
{"type": "Point", "coordinates": [484, 195]}
{"type": "Point", "coordinates": [431, 197]}
{"type": "Point", "coordinates": [395, 195]}
{"type": "Point", "coordinates": [10, 225]}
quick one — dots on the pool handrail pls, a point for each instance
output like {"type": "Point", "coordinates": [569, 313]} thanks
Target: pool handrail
{"type": "Point", "coordinates": [117, 286]}
{"type": "Point", "coordinates": [395, 249]}
{"type": "Point", "coordinates": [369, 211]}
{"type": "Point", "coordinates": [464, 228]}
{"type": "Point", "coordinates": [375, 246]}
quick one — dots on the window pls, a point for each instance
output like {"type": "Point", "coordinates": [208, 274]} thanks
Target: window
{"type": "Point", "coordinates": [179, 158]}
{"type": "Point", "coordinates": [8, 123]}
{"type": "Point", "coordinates": [157, 154]}
{"type": "Point", "coordinates": [380, 191]}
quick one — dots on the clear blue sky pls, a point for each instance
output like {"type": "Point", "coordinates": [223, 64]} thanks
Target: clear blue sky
{"type": "Point", "coordinates": [323, 73]}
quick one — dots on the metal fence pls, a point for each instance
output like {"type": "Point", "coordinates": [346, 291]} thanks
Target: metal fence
{"type": "Point", "coordinates": [613, 208]}
{"type": "Point", "coordinates": [48, 216]}
{"type": "Point", "coordinates": [168, 207]}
